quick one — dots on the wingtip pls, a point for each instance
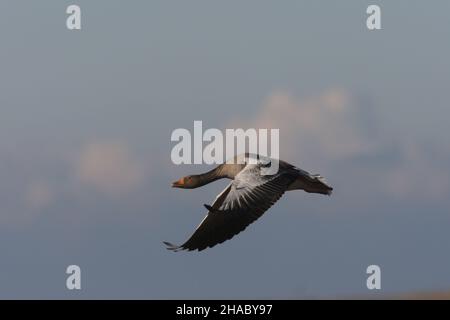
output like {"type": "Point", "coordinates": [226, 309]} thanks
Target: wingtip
{"type": "Point", "coordinates": [171, 246]}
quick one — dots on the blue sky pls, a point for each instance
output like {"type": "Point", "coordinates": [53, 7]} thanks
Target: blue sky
{"type": "Point", "coordinates": [85, 124]}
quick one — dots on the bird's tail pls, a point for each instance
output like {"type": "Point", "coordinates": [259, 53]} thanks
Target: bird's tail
{"type": "Point", "coordinates": [317, 184]}
{"type": "Point", "coordinates": [312, 183]}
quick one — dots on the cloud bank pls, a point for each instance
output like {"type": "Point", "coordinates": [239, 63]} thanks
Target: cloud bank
{"type": "Point", "coordinates": [109, 167]}
{"type": "Point", "coordinates": [338, 131]}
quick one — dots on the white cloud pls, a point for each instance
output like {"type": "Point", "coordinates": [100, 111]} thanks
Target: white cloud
{"type": "Point", "coordinates": [325, 126]}
{"type": "Point", "coordinates": [38, 195]}
{"type": "Point", "coordinates": [333, 130]}
{"type": "Point", "coordinates": [109, 167]}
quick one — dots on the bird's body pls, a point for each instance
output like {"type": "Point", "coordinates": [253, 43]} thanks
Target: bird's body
{"type": "Point", "coordinates": [246, 198]}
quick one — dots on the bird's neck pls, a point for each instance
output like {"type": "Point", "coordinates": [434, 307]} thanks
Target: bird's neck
{"type": "Point", "coordinates": [210, 176]}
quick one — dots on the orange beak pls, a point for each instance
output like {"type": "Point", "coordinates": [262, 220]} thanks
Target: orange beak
{"type": "Point", "coordinates": [178, 184]}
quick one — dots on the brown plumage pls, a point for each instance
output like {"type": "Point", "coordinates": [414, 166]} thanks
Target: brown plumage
{"type": "Point", "coordinates": [246, 198]}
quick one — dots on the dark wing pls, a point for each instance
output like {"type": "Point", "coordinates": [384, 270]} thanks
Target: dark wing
{"type": "Point", "coordinates": [242, 202]}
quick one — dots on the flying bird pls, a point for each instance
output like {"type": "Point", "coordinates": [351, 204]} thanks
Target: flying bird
{"type": "Point", "coordinates": [250, 193]}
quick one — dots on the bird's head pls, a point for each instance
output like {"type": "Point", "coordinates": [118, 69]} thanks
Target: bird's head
{"type": "Point", "coordinates": [188, 182]}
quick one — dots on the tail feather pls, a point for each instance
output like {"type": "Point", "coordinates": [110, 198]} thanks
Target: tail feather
{"type": "Point", "coordinates": [312, 183]}
{"type": "Point", "coordinates": [319, 185]}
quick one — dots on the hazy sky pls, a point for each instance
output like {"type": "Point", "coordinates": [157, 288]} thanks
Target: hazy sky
{"type": "Point", "coordinates": [85, 124]}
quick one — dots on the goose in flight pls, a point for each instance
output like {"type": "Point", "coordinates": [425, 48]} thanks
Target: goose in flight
{"type": "Point", "coordinates": [246, 198]}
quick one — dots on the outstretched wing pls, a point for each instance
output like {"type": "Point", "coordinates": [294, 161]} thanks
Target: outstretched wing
{"type": "Point", "coordinates": [243, 201]}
